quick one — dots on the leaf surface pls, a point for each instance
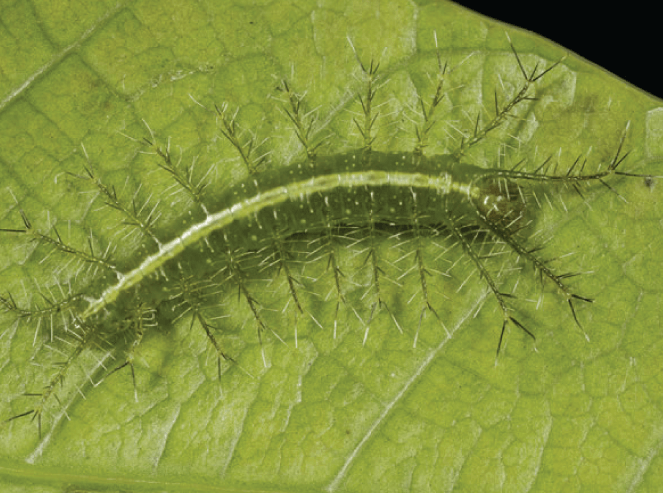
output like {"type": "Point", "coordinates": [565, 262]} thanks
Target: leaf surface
{"type": "Point", "coordinates": [334, 414]}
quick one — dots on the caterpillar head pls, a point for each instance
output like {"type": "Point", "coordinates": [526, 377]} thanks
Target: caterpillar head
{"type": "Point", "coordinates": [501, 202]}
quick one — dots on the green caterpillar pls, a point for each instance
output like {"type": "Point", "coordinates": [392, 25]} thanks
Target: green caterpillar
{"type": "Point", "coordinates": [352, 208]}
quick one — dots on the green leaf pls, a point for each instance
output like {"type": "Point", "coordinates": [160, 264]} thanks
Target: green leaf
{"type": "Point", "coordinates": [335, 414]}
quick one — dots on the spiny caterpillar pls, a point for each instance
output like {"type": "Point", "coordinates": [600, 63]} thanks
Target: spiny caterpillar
{"type": "Point", "coordinates": [329, 233]}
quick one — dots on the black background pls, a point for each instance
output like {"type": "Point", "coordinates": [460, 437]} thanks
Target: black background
{"type": "Point", "coordinates": [625, 37]}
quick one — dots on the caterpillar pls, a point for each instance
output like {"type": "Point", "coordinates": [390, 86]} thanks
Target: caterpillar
{"type": "Point", "coordinates": [327, 232]}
